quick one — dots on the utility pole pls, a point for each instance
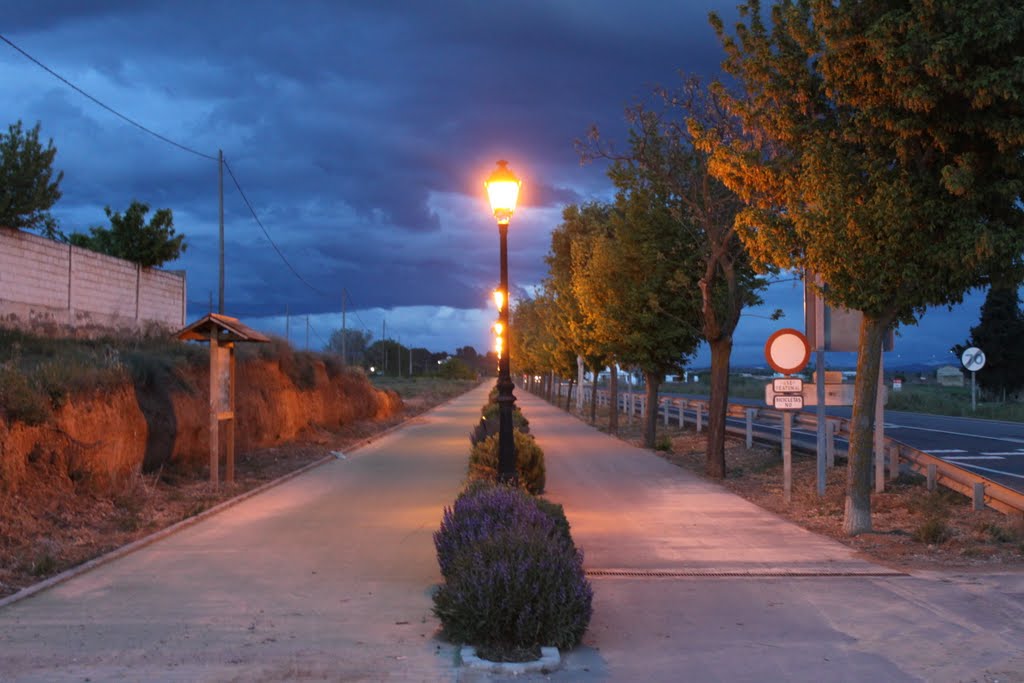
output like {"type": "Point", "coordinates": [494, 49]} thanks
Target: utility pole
{"type": "Point", "coordinates": [344, 332]}
{"type": "Point", "coordinates": [220, 188]}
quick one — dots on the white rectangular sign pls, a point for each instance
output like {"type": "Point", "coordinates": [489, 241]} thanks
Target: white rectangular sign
{"type": "Point", "coordinates": [788, 402]}
{"type": "Point", "coordinates": [787, 385]}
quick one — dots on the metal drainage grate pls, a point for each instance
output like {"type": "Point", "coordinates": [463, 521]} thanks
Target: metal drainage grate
{"type": "Point", "coordinates": [751, 573]}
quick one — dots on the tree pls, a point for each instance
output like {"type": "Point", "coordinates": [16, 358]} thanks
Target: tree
{"type": "Point", "coordinates": [882, 152]}
{"type": "Point", "coordinates": [353, 342]}
{"type": "Point", "coordinates": [998, 334]}
{"type": "Point", "coordinates": [129, 237]}
{"type": "Point", "coordinates": [638, 289]}
{"type": "Point", "coordinates": [28, 187]}
{"type": "Point", "coordinates": [570, 245]}
{"type": "Point", "coordinates": [663, 155]}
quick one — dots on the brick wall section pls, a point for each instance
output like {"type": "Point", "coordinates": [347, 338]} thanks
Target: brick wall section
{"type": "Point", "coordinates": [54, 288]}
{"type": "Point", "coordinates": [33, 270]}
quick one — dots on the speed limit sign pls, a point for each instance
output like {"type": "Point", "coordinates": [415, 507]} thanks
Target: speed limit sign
{"type": "Point", "coordinates": [973, 359]}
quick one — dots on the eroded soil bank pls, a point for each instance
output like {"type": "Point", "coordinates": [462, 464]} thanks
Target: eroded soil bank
{"type": "Point", "coordinates": [113, 465]}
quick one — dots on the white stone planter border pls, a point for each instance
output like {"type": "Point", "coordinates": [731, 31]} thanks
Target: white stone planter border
{"type": "Point", "coordinates": [549, 661]}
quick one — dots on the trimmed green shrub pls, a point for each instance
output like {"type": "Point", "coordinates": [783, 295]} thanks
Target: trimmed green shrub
{"type": "Point", "coordinates": [483, 461]}
{"type": "Point", "coordinates": [514, 580]}
{"type": "Point", "coordinates": [519, 421]}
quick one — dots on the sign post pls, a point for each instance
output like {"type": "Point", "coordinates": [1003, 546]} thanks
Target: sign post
{"type": "Point", "coordinates": [974, 360]}
{"type": "Point", "coordinates": [787, 352]}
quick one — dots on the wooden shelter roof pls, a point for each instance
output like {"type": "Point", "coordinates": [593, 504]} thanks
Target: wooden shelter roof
{"type": "Point", "coordinates": [228, 328]}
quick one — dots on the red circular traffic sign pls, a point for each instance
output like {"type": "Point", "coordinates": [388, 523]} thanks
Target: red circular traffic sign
{"type": "Point", "coordinates": [787, 351]}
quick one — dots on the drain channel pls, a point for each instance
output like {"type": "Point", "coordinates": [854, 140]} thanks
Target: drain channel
{"type": "Point", "coordinates": [749, 573]}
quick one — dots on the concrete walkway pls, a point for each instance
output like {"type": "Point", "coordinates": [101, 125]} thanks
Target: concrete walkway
{"type": "Point", "coordinates": [328, 578]}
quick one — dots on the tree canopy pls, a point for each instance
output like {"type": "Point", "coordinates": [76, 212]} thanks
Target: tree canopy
{"type": "Point", "coordinates": [880, 149]}
{"type": "Point", "coordinates": [998, 334]}
{"type": "Point", "coordinates": [28, 185]}
{"type": "Point", "coordinates": [129, 237]}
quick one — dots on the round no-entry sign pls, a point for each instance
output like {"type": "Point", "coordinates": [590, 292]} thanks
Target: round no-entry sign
{"type": "Point", "coordinates": [787, 351]}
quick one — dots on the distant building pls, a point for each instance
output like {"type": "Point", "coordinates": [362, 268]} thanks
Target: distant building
{"type": "Point", "coordinates": [949, 376]}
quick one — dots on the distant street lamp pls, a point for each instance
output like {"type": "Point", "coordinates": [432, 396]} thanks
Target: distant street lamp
{"type": "Point", "coordinates": [503, 191]}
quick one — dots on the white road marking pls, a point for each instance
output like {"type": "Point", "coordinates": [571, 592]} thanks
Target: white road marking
{"type": "Point", "coordinates": [1016, 452]}
{"type": "Point", "coordinates": [958, 458]}
{"type": "Point", "coordinates": [988, 469]}
{"type": "Point", "coordinates": [946, 431]}
{"type": "Point", "coordinates": [945, 450]}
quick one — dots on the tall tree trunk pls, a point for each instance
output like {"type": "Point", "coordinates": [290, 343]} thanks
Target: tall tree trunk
{"type": "Point", "coordinates": [653, 381]}
{"type": "Point", "coordinates": [857, 515]}
{"type": "Point", "coordinates": [721, 350]}
{"type": "Point", "coordinates": [593, 396]}
{"type": "Point", "coordinates": [568, 396]}
{"type": "Point", "coordinates": [613, 400]}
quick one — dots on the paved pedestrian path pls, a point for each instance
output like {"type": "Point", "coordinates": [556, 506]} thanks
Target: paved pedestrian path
{"type": "Point", "coordinates": [328, 578]}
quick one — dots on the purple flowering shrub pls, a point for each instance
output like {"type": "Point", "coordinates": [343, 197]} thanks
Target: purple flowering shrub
{"type": "Point", "coordinates": [485, 508]}
{"type": "Point", "coordinates": [513, 576]}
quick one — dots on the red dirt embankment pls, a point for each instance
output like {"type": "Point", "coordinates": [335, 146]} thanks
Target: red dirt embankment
{"type": "Point", "coordinates": [99, 441]}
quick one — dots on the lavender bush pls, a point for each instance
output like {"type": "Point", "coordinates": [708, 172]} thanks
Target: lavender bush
{"type": "Point", "coordinates": [483, 510]}
{"type": "Point", "coordinates": [520, 586]}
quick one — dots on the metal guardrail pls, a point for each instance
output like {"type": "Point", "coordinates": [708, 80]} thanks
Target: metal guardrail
{"type": "Point", "coordinates": [982, 490]}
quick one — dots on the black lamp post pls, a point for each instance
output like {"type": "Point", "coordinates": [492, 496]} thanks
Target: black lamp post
{"type": "Point", "coordinates": [503, 191]}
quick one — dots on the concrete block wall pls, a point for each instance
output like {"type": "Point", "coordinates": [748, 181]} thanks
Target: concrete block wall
{"type": "Point", "coordinates": [54, 288]}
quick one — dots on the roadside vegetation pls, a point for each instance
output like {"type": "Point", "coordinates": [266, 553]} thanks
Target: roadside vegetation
{"type": "Point", "coordinates": [54, 517]}
{"type": "Point", "coordinates": [513, 577]}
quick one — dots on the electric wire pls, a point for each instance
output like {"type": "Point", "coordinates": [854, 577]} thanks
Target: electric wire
{"type": "Point", "coordinates": [110, 109]}
{"type": "Point", "coordinates": [267, 234]}
{"type": "Point", "coordinates": [185, 148]}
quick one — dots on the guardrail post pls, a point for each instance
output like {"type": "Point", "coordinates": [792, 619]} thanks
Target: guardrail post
{"type": "Point", "coordinates": [894, 462]}
{"type": "Point", "coordinates": [933, 473]}
{"type": "Point", "coordinates": [664, 405]}
{"type": "Point", "coordinates": [700, 416]}
{"type": "Point", "coordinates": [682, 412]}
{"type": "Point", "coordinates": [979, 496]}
{"type": "Point", "coordinates": [750, 426]}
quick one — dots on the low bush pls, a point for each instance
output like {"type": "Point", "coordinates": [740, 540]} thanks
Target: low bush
{"type": "Point", "coordinates": [519, 421]}
{"type": "Point", "coordinates": [483, 461]}
{"type": "Point", "coordinates": [514, 579]}
{"type": "Point", "coordinates": [482, 510]}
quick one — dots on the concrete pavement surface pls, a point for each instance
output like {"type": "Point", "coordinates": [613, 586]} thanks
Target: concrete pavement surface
{"type": "Point", "coordinates": [328, 577]}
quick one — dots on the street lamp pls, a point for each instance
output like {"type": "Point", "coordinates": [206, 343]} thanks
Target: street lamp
{"type": "Point", "coordinates": [503, 191]}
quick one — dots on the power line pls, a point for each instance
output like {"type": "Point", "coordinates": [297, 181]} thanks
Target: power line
{"type": "Point", "coordinates": [110, 109]}
{"type": "Point", "coordinates": [260, 223]}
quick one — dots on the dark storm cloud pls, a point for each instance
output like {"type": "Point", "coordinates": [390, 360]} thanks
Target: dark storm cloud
{"type": "Point", "coordinates": [361, 132]}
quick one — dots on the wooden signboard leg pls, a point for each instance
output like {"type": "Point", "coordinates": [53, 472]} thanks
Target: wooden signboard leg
{"type": "Point", "coordinates": [214, 422]}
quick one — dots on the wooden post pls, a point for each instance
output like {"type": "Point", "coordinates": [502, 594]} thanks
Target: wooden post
{"type": "Point", "coordinates": [682, 411]}
{"type": "Point", "coordinates": [933, 472]}
{"type": "Point", "coordinates": [665, 406]}
{"type": "Point", "coordinates": [894, 462]}
{"type": "Point", "coordinates": [214, 421]}
{"type": "Point", "coordinates": [700, 416]}
{"type": "Point", "coordinates": [750, 427]}
{"type": "Point", "coordinates": [229, 474]}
